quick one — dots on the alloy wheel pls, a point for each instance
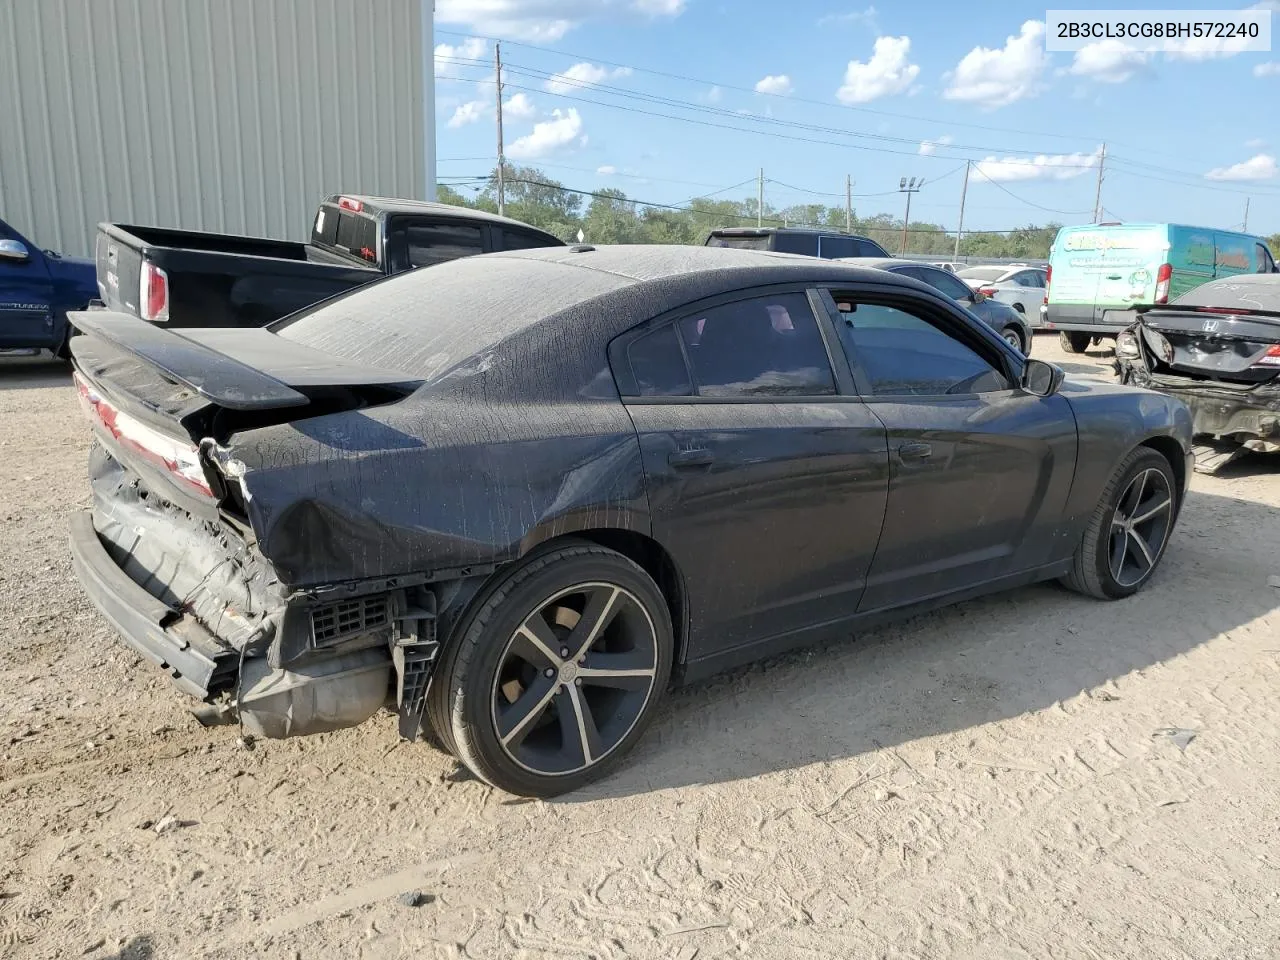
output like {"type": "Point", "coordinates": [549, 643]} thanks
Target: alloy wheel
{"type": "Point", "coordinates": [1011, 337]}
{"type": "Point", "coordinates": [1140, 526]}
{"type": "Point", "coordinates": [574, 678]}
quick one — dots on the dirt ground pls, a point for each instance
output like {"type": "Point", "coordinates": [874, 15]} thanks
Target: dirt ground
{"type": "Point", "coordinates": [1030, 775]}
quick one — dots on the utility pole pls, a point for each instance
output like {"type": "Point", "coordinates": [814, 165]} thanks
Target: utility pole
{"type": "Point", "coordinates": [1246, 215]}
{"type": "Point", "coordinates": [760, 200]}
{"type": "Point", "coordinates": [1097, 196]}
{"type": "Point", "coordinates": [964, 192]}
{"type": "Point", "coordinates": [848, 203]}
{"type": "Point", "coordinates": [502, 160]}
{"type": "Point", "coordinates": [908, 187]}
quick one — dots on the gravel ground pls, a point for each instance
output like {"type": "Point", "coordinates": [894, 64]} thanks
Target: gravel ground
{"type": "Point", "coordinates": [1030, 775]}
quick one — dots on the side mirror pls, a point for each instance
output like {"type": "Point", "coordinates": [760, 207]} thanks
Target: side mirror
{"type": "Point", "coordinates": [976, 296]}
{"type": "Point", "coordinates": [1040, 378]}
{"type": "Point", "coordinates": [14, 250]}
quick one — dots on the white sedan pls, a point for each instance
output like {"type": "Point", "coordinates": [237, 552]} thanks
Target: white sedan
{"type": "Point", "coordinates": [1020, 286]}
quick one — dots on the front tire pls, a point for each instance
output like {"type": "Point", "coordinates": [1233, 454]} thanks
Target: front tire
{"type": "Point", "coordinates": [1073, 341]}
{"type": "Point", "coordinates": [557, 673]}
{"type": "Point", "coordinates": [1129, 530]}
{"type": "Point", "coordinates": [1013, 337]}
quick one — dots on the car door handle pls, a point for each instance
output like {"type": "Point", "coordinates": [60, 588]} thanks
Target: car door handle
{"type": "Point", "coordinates": [700, 457]}
{"type": "Point", "coordinates": [914, 451]}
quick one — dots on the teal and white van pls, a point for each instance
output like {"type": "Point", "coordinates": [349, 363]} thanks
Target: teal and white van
{"type": "Point", "coordinates": [1098, 273]}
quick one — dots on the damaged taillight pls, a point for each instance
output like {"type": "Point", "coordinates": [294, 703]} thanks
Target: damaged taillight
{"type": "Point", "coordinates": [1271, 358]}
{"type": "Point", "coordinates": [180, 460]}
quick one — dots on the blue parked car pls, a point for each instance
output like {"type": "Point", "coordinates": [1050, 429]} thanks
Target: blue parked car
{"type": "Point", "coordinates": [37, 288]}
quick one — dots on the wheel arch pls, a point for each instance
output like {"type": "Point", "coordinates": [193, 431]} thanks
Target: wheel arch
{"type": "Point", "coordinates": [654, 559]}
{"type": "Point", "coordinates": [1172, 451]}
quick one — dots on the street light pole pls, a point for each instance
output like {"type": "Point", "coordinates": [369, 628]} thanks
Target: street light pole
{"type": "Point", "coordinates": [908, 187]}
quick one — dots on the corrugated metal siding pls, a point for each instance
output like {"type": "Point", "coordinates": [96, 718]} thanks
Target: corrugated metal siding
{"type": "Point", "coordinates": [227, 115]}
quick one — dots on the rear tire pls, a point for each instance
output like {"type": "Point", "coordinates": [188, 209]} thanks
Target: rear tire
{"type": "Point", "coordinates": [557, 673]}
{"type": "Point", "coordinates": [1074, 341]}
{"type": "Point", "coordinates": [1129, 530]}
{"type": "Point", "coordinates": [1013, 337]}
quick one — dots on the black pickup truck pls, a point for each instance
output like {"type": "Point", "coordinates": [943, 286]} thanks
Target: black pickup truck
{"type": "Point", "coordinates": [184, 278]}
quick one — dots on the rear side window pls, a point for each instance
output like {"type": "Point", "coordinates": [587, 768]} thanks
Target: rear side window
{"type": "Point", "coordinates": [514, 240]}
{"type": "Point", "coordinates": [423, 244]}
{"type": "Point", "coordinates": [762, 347]}
{"type": "Point", "coordinates": [358, 235]}
{"type": "Point", "coordinates": [868, 248]}
{"type": "Point", "coordinates": [740, 243]}
{"type": "Point", "coordinates": [832, 248]}
{"type": "Point", "coordinates": [945, 283]}
{"type": "Point", "coordinates": [658, 365]}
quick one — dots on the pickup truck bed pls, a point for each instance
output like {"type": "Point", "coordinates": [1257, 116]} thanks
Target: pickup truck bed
{"type": "Point", "coordinates": [217, 280]}
{"type": "Point", "coordinates": [182, 278]}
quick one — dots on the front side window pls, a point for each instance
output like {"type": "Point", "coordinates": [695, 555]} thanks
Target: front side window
{"type": "Point", "coordinates": [763, 347]}
{"type": "Point", "coordinates": [903, 354]}
{"type": "Point", "coordinates": [1265, 263]}
{"type": "Point", "coordinates": [833, 248]}
{"type": "Point", "coordinates": [515, 240]}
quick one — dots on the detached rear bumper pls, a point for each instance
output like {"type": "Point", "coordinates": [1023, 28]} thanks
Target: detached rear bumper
{"type": "Point", "coordinates": [1215, 411]}
{"type": "Point", "coordinates": [196, 663]}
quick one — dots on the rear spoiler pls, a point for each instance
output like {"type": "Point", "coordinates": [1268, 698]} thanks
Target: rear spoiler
{"type": "Point", "coordinates": [215, 376]}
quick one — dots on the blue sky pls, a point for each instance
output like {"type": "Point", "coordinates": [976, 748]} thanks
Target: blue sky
{"type": "Point", "coordinates": [594, 89]}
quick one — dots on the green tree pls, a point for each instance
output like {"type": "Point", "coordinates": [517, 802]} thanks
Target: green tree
{"type": "Point", "coordinates": [611, 218]}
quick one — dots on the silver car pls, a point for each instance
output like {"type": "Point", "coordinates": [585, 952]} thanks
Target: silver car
{"type": "Point", "coordinates": [1019, 285]}
{"type": "Point", "coordinates": [1000, 317]}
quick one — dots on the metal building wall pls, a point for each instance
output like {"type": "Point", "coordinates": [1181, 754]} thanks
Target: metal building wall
{"type": "Point", "coordinates": [228, 115]}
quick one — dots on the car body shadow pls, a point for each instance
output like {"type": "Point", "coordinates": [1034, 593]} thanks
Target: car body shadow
{"type": "Point", "coordinates": [25, 373]}
{"type": "Point", "coordinates": [976, 663]}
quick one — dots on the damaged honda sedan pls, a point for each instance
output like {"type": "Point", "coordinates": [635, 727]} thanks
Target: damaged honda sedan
{"type": "Point", "coordinates": [1216, 348]}
{"type": "Point", "coordinates": [515, 497]}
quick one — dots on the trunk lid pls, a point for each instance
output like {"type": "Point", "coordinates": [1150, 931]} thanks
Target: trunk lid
{"type": "Point", "coordinates": [1214, 345]}
{"type": "Point", "coordinates": [162, 401]}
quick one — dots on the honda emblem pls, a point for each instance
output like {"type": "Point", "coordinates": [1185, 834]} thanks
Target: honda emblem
{"type": "Point", "coordinates": [1209, 326]}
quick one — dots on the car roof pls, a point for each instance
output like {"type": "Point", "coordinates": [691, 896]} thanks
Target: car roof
{"type": "Point", "coordinates": [766, 231]}
{"type": "Point", "coordinates": [376, 206]}
{"type": "Point", "coordinates": [539, 320]}
{"type": "Point", "coordinates": [886, 263]}
{"type": "Point", "coordinates": [1248, 291]}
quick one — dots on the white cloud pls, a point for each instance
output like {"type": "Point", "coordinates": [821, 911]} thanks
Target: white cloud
{"type": "Point", "coordinates": [544, 20]}
{"type": "Point", "coordinates": [928, 147]}
{"type": "Point", "coordinates": [780, 85]}
{"type": "Point", "coordinates": [997, 78]}
{"type": "Point", "coordinates": [659, 8]}
{"type": "Point", "coordinates": [1259, 167]}
{"type": "Point", "coordinates": [1054, 166]}
{"type": "Point", "coordinates": [549, 136]}
{"type": "Point", "coordinates": [581, 74]}
{"type": "Point", "coordinates": [608, 170]}
{"type": "Point", "coordinates": [714, 95]}
{"type": "Point", "coordinates": [1257, 143]}
{"type": "Point", "coordinates": [472, 48]}
{"type": "Point", "coordinates": [1269, 69]}
{"type": "Point", "coordinates": [1109, 61]}
{"type": "Point", "coordinates": [886, 73]}
{"type": "Point", "coordinates": [468, 113]}
{"type": "Point", "coordinates": [519, 107]}
{"type": "Point", "coordinates": [867, 16]}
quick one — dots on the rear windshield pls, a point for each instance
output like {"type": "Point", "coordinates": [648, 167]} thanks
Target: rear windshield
{"type": "Point", "coordinates": [982, 273]}
{"type": "Point", "coordinates": [425, 322]}
{"type": "Point", "coordinates": [740, 243]}
{"type": "Point", "coordinates": [1257, 293]}
{"type": "Point", "coordinates": [355, 233]}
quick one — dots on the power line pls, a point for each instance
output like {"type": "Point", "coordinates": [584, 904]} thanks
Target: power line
{"type": "Point", "coordinates": [686, 209]}
{"type": "Point", "coordinates": [728, 86]}
{"type": "Point", "coordinates": [1066, 213]}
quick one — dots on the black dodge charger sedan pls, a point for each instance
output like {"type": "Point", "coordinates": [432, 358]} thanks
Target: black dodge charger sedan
{"type": "Point", "coordinates": [516, 496]}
